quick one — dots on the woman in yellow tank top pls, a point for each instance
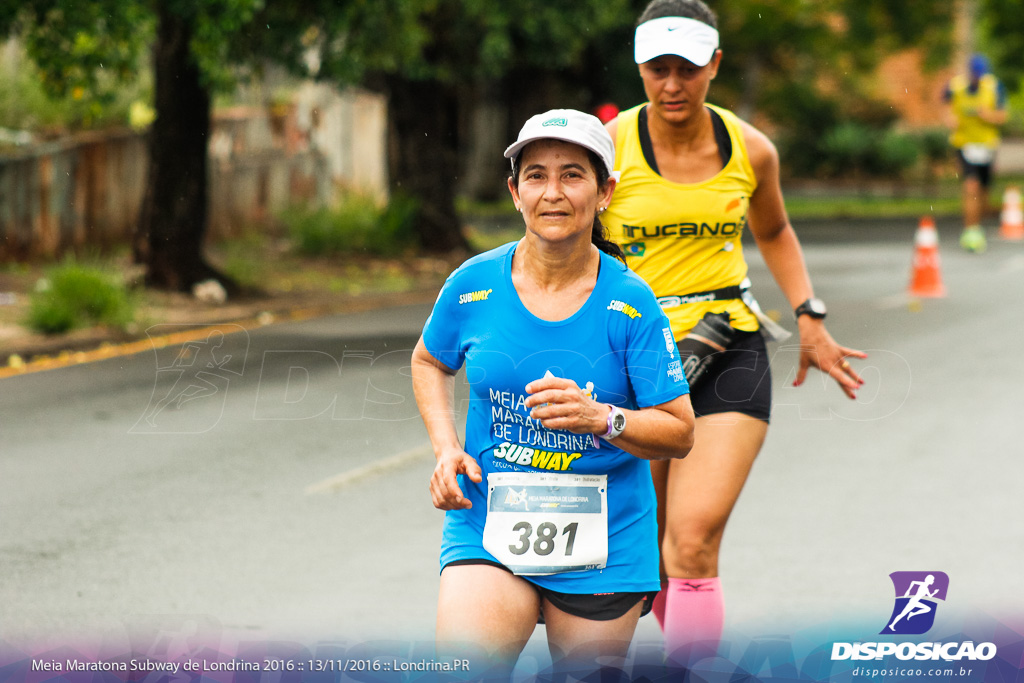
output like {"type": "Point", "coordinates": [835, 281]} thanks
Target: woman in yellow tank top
{"type": "Point", "coordinates": [693, 176]}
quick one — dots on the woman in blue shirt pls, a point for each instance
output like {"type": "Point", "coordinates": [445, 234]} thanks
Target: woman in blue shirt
{"type": "Point", "coordinates": [575, 385]}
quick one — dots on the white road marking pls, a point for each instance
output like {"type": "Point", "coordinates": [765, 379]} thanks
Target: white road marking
{"type": "Point", "coordinates": [888, 303]}
{"type": "Point", "coordinates": [1012, 265]}
{"type": "Point", "coordinates": [339, 481]}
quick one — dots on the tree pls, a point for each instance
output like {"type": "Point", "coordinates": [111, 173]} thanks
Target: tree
{"type": "Point", "coordinates": [75, 44]}
{"type": "Point", "coordinates": [808, 66]}
{"type": "Point", "coordinates": [805, 63]}
{"type": "Point", "coordinates": [428, 56]}
{"type": "Point", "coordinates": [772, 46]}
{"type": "Point", "coordinates": [173, 216]}
{"type": "Point", "coordinates": [433, 59]}
{"type": "Point", "coordinates": [1003, 22]}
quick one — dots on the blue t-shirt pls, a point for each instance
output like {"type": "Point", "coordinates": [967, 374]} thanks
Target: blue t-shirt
{"type": "Point", "coordinates": [618, 346]}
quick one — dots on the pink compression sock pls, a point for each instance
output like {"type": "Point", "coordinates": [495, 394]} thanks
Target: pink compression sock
{"type": "Point", "coordinates": [658, 605]}
{"type": "Point", "coordinates": [694, 614]}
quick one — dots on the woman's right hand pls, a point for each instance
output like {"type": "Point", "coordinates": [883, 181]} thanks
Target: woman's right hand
{"type": "Point", "coordinates": [444, 487]}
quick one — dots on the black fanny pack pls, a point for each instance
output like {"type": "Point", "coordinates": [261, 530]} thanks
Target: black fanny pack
{"type": "Point", "coordinates": [703, 345]}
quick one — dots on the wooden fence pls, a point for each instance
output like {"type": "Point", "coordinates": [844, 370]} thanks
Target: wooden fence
{"type": "Point", "coordinates": [85, 191]}
{"type": "Point", "coordinates": [73, 192]}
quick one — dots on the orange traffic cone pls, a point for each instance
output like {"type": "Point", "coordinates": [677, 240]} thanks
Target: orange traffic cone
{"type": "Point", "coordinates": [926, 278]}
{"type": "Point", "coordinates": [1012, 217]}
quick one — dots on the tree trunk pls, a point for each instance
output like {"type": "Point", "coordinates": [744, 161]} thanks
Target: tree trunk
{"type": "Point", "coordinates": [172, 221]}
{"type": "Point", "coordinates": [423, 157]}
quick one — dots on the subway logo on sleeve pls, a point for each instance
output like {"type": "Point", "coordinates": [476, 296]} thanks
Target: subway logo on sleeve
{"type": "Point", "coordinates": [470, 297]}
{"type": "Point", "coordinates": [624, 308]}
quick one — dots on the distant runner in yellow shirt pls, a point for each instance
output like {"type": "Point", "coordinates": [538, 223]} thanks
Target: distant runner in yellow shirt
{"type": "Point", "coordinates": [977, 108]}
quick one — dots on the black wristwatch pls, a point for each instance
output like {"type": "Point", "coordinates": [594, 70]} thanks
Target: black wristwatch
{"type": "Point", "coordinates": [813, 307]}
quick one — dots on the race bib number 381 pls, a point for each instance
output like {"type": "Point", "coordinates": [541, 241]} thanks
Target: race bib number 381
{"type": "Point", "coordinates": [542, 523]}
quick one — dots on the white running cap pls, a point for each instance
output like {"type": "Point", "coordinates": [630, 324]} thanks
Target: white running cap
{"type": "Point", "coordinates": [688, 38]}
{"type": "Point", "coordinates": [568, 125]}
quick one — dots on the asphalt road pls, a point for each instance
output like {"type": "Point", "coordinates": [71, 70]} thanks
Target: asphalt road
{"type": "Point", "coordinates": [272, 484]}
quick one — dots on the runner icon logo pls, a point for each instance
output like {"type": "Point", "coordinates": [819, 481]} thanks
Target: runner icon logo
{"type": "Point", "coordinates": [917, 596]}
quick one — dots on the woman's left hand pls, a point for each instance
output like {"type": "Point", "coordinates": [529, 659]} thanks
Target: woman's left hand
{"type": "Point", "coordinates": [819, 349]}
{"type": "Point", "coordinates": [559, 403]}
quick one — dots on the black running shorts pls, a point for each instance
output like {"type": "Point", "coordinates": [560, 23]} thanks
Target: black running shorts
{"type": "Point", "coordinates": [983, 172]}
{"type": "Point", "coordinates": [593, 606]}
{"type": "Point", "coordinates": [739, 381]}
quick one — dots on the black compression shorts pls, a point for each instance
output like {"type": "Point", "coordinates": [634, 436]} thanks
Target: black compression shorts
{"type": "Point", "coordinates": [739, 381]}
{"type": "Point", "coordinates": [593, 606]}
{"type": "Point", "coordinates": [983, 172]}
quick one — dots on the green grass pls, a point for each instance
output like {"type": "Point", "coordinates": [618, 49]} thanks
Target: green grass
{"type": "Point", "coordinates": [356, 224]}
{"type": "Point", "coordinates": [941, 198]}
{"type": "Point", "coordinates": [244, 259]}
{"type": "Point", "coordinates": [868, 207]}
{"type": "Point", "coordinates": [72, 295]}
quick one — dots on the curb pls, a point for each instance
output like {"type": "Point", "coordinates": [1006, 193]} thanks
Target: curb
{"type": "Point", "coordinates": [100, 344]}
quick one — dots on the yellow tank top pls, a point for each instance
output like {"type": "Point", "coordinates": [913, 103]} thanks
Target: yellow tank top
{"type": "Point", "coordinates": [683, 238]}
{"type": "Point", "coordinates": [969, 128]}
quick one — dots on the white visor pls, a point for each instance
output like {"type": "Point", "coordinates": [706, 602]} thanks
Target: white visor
{"type": "Point", "coordinates": [688, 38]}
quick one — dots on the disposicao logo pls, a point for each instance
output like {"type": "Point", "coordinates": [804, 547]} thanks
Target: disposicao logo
{"type": "Point", "coordinates": [556, 122]}
{"type": "Point", "coordinates": [917, 598]}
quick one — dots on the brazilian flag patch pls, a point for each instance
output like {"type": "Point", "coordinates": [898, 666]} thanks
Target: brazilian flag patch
{"type": "Point", "coordinates": [634, 249]}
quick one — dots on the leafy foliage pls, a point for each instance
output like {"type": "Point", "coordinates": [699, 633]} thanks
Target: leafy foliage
{"type": "Point", "coordinates": [860, 150]}
{"type": "Point", "coordinates": [1002, 22]}
{"type": "Point", "coordinates": [72, 295]}
{"type": "Point", "coordinates": [85, 59]}
{"type": "Point", "coordinates": [803, 62]}
{"type": "Point", "coordinates": [25, 103]}
{"type": "Point", "coordinates": [876, 28]}
{"type": "Point", "coordinates": [85, 45]}
{"type": "Point", "coordinates": [91, 45]}
{"type": "Point", "coordinates": [217, 26]}
{"type": "Point", "coordinates": [807, 66]}
{"type": "Point", "coordinates": [896, 152]}
{"type": "Point", "coordinates": [358, 224]}
{"type": "Point", "coordinates": [448, 41]}
{"type": "Point", "coordinates": [830, 46]}
{"type": "Point", "coordinates": [848, 147]}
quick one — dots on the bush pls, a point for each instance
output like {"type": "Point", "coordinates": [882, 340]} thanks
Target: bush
{"type": "Point", "coordinates": [244, 259]}
{"type": "Point", "coordinates": [72, 295]}
{"type": "Point", "coordinates": [357, 224]}
{"type": "Point", "coordinates": [856, 149]}
{"type": "Point", "coordinates": [847, 148]}
{"type": "Point", "coordinates": [896, 153]}
{"type": "Point", "coordinates": [805, 117]}
{"type": "Point", "coordinates": [26, 105]}
{"type": "Point", "coordinates": [398, 223]}
{"type": "Point", "coordinates": [935, 144]}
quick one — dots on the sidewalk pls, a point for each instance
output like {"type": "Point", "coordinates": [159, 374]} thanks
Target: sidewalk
{"type": "Point", "coordinates": [1010, 158]}
{"type": "Point", "coordinates": [336, 288]}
